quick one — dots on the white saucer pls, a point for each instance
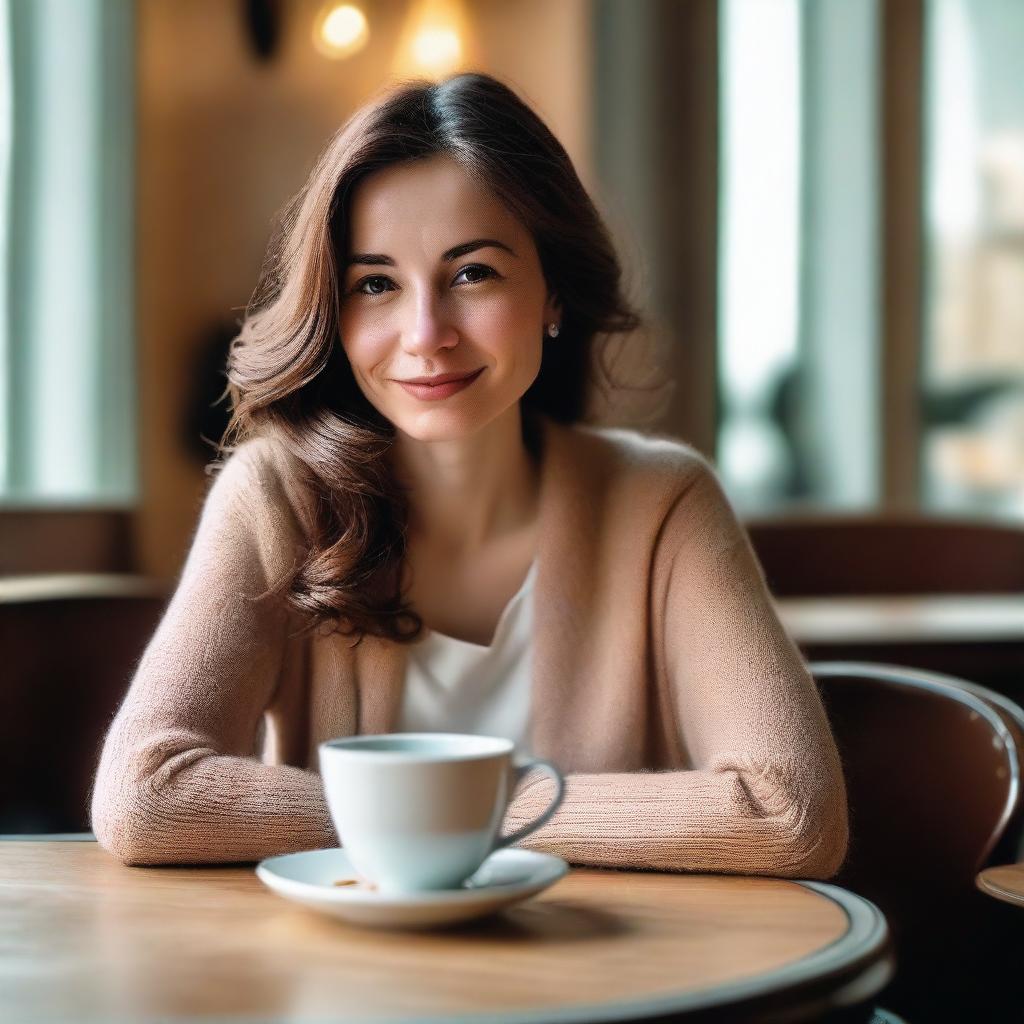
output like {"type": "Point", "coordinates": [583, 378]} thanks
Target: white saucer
{"type": "Point", "coordinates": [506, 877]}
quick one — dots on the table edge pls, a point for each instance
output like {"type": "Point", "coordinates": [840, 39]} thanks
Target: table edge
{"type": "Point", "coordinates": [863, 952]}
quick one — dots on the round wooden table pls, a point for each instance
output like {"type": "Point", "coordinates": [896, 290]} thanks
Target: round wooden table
{"type": "Point", "coordinates": [87, 938]}
{"type": "Point", "coordinates": [1005, 882]}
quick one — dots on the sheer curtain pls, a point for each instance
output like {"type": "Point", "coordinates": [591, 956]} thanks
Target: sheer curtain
{"type": "Point", "coordinates": [6, 132]}
{"type": "Point", "coordinates": [67, 421]}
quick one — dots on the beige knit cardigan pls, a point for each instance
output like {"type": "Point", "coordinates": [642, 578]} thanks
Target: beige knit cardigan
{"type": "Point", "coordinates": [664, 686]}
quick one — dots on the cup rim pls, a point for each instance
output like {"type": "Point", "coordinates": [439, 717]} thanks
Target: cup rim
{"type": "Point", "coordinates": [478, 746]}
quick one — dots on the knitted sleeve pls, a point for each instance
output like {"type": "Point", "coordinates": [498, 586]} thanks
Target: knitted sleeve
{"type": "Point", "coordinates": [765, 792]}
{"type": "Point", "coordinates": [179, 779]}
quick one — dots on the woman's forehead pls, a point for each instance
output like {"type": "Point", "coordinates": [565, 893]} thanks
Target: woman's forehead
{"type": "Point", "coordinates": [432, 202]}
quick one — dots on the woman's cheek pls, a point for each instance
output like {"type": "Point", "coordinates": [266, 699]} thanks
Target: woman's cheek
{"type": "Point", "coordinates": [366, 344]}
{"type": "Point", "coordinates": [505, 319]}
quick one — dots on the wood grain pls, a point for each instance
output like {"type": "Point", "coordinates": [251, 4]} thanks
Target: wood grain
{"type": "Point", "coordinates": [86, 937]}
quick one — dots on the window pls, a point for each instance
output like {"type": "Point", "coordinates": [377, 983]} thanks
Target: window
{"type": "Point", "coordinates": [67, 379]}
{"type": "Point", "coordinates": [759, 266]}
{"type": "Point", "coordinates": [798, 290]}
{"type": "Point", "coordinates": [973, 354]}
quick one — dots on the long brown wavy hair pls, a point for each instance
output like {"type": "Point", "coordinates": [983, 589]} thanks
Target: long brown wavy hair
{"type": "Point", "coordinates": [288, 376]}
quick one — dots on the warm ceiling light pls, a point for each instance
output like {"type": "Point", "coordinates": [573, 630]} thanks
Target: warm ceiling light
{"type": "Point", "coordinates": [340, 30]}
{"type": "Point", "coordinates": [433, 40]}
{"type": "Point", "coordinates": [437, 49]}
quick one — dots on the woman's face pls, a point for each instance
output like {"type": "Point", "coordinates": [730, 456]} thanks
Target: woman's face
{"type": "Point", "coordinates": [440, 278]}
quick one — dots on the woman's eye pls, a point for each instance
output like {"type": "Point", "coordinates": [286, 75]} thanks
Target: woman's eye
{"type": "Point", "coordinates": [373, 280]}
{"type": "Point", "coordinates": [478, 271]}
{"type": "Point", "coordinates": [378, 284]}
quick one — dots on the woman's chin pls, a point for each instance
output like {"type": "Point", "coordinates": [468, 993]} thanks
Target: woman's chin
{"type": "Point", "coordinates": [438, 426]}
{"type": "Point", "coordinates": [444, 424]}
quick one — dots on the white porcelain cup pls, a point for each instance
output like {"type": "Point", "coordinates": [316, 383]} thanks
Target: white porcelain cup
{"type": "Point", "coordinates": [419, 811]}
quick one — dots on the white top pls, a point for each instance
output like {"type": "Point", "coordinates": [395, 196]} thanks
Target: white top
{"type": "Point", "coordinates": [453, 685]}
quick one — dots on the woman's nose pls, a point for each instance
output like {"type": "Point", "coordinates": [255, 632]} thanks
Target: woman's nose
{"type": "Point", "coordinates": [428, 328]}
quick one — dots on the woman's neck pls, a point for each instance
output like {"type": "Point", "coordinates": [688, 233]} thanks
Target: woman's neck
{"type": "Point", "coordinates": [467, 494]}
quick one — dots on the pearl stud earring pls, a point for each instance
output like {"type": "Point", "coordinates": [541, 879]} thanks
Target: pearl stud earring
{"type": "Point", "coordinates": [552, 330]}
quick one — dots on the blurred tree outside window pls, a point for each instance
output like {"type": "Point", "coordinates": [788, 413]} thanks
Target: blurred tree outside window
{"type": "Point", "coordinates": [67, 380]}
{"type": "Point", "coordinates": [973, 357]}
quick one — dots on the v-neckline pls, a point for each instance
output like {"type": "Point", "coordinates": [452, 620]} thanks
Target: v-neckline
{"type": "Point", "coordinates": [565, 520]}
{"type": "Point", "coordinates": [436, 636]}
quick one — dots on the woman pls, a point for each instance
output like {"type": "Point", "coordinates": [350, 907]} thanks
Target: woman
{"type": "Point", "coordinates": [414, 532]}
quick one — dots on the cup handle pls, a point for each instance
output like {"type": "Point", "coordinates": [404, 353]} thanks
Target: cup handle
{"type": "Point", "coordinates": [527, 764]}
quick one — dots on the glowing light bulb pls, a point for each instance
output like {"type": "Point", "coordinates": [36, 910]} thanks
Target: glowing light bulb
{"type": "Point", "coordinates": [437, 48]}
{"type": "Point", "coordinates": [435, 39]}
{"type": "Point", "coordinates": [340, 30]}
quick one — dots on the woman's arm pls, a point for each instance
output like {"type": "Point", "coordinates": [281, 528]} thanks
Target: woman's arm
{"type": "Point", "coordinates": [179, 779]}
{"type": "Point", "coordinates": [766, 793]}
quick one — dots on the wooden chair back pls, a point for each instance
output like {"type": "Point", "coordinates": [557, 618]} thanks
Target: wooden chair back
{"type": "Point", "coordinates": [818, 555]}
{"type": "Point", "coordinates": [933, 773]}
{"type": "Point", "coordinates": [70, 646]}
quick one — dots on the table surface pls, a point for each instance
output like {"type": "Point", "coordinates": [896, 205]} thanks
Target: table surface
{"type": "Point", "coordinates": [87, 938]}
{"type": "Point", "coordinates": [937, 618]}
{"type": "Point", "coordinates": [1005, 882]}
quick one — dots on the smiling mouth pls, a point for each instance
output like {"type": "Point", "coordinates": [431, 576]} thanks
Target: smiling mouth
{"type": "Point", "coordinates": [443, 378]}
{"type": "Point", "coordinates": [427, 392]}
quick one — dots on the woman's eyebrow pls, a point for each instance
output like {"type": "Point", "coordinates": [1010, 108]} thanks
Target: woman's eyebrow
{"type": "Point", "coordinates": [377, 258]}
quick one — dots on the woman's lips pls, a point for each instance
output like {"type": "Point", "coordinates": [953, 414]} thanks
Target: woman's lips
{"type": "Point", "coordinates": [435, 392]}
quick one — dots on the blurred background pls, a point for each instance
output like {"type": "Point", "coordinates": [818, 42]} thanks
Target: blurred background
{"type": "Point", "coordinates": [819, 203]}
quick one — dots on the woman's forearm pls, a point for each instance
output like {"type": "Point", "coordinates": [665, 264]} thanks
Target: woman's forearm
{"type": "Point", "coordinates": [692, 820]}
{"type": "Point", "coordinates": [201, 807]}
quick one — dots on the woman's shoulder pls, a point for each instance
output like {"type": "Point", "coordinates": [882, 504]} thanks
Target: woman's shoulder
{"type": "Point", "coordinates": [642, 479]}
{"type": "Point", "coordinates": [653, 484]}
{"type": "Point", "coordinates": [262, 481]}
{"type": "Point", "coordinates": [636, 456]}
{"type": "Point", "coordinates": [248, 468]}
